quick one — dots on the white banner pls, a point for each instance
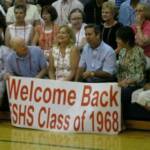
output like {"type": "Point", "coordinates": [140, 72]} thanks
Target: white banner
{"type": "Point", "coordinates": [64, 106]}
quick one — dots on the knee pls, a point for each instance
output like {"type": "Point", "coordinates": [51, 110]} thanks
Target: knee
{"type": "Point", "coordinates": [142, 96]}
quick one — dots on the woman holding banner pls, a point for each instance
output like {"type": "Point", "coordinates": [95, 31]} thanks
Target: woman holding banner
{"type": "Point", "coordinates": [64, 57]}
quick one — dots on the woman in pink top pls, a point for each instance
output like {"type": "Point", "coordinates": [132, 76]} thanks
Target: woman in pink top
{"type": "Point", "coordinates": [45, 34]}
{"type": "Point", "coordinates": [142, 29]}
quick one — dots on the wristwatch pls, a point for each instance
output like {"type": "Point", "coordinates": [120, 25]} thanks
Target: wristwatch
{"type": "Point", "coordinates": [92, 74]}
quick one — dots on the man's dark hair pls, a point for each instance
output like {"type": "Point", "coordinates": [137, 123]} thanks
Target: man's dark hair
{"type": "Point", "coordinates": [95, 27]}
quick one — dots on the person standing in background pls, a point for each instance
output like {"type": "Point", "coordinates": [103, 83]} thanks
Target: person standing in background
{"type": "Point", "coordinates": [64, 57]}
{"type": "Point", "coordinates": [32, 13]}
{"type": "Point", "coordinates": [45, 35]}
{"type": "Point", "coordinates": [76, 18]}
{"type": "Point", "coordinates": [64, 7]}
{"type": "Point", "coordinates": [20, 28]}
{"type": "Point", "coordinates": [7, 4]}
{"type": "Point", "coordinates": [93, 11]}
{"type": "Point", "coordinates": [127, 12]}
{"type": "Point", "coordinates": [110, 25]}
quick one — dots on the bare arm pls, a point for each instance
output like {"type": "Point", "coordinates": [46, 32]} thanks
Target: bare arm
{"type": "Point", "coordinates": [74, 60]}
{"type": "Point", "coordinates": [42, 73]}
{"type": "Point", "coordinates": [7, 37]}
{"type": "Point", "coordinates": [102, 74]}
{"type": "Point", "coordinates": [51, 68]}
{"type": "Point", "coordinates": [99, 74]}
{"type": "Point", "coordinates": [79, 73]}
{"type": "Point", "coordinates": [35, 38]}
{"type": "Point", "coordinates": [126, 82]}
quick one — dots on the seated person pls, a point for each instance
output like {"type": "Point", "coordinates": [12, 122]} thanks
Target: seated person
{"type": "Point", "coordinates": [4, 52]}
{"type": "Point", "coordinates": [131, 66]}
{"type": "Point", "coordinates": [25, 61]}
{"type": "Point", "coordinates": [142, 96]}
{"type": "Point", "coordinates": [98, 60]}
{"type": "Point", "coordinates": [64, 57]}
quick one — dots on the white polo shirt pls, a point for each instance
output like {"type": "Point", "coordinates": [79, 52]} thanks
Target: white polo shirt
{"type": "Point", "coordinates": [32, 14]}
{"type": "Point", "coordinates": [63, 9]}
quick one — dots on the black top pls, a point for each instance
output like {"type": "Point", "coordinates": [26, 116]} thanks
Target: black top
{"type": "Point", "coordinates": [109, 34]}
{"type": "Point", "coordinates": [45, 2]}
{"type": "Point", "coordinates": [93, 12]}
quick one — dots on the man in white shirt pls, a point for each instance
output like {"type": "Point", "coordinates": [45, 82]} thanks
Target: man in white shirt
{"type": "Point", "coordinates": [64, 7]}
{"type": "Point", "coordinates": [2, 10]}
{"type": "Point", "coordinates": [32, 14]}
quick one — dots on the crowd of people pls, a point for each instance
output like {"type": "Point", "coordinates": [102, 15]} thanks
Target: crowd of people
{"type": "Point", "coordinates": [90, 41]}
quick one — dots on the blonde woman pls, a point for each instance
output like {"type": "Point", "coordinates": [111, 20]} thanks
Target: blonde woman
{"type": "Point", "coordinates": [142, 29]}
{"type": "Point", "coordinates": [64, 57]}
{"type": "Point", "coordinates": [110, 25]}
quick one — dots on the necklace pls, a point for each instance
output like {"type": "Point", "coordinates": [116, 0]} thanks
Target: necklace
{"type": "Point", "coordinates": [18, 64]}
{"type": "Point", "coordinates": [60, 64]}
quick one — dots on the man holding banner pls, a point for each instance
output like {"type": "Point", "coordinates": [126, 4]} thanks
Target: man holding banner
{"type": "Point", "coordinates": [98, 60]}
{"type": "Point", "coordinates": [25, 61]}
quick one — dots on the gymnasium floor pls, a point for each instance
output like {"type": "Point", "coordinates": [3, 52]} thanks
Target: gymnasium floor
{"type": "Point", "coordinates": [12, 138]}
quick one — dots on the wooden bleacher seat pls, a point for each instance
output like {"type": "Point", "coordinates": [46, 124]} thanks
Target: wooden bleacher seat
{"type": "Point", "coordinates": [4, 115]}
{"type": "Point", "coordinates": [137, 124]}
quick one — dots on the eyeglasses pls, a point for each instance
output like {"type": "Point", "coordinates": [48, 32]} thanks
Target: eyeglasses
{"type": "Point", "coordinates": [77, 18]}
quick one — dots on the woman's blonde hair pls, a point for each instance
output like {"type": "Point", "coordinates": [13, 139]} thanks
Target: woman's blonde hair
{"type": "Point", "coordinates": [146, 9]}
{"type": "Point", "coordinates": [69, 30]}
{"type": "Point", "coordinates": [111, 5]}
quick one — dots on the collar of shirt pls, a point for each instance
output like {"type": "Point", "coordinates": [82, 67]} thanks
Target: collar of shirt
{"type": "Point", "coordinates": [99, 47]}
{"type": "Point", "coordinates": [22, 58]}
